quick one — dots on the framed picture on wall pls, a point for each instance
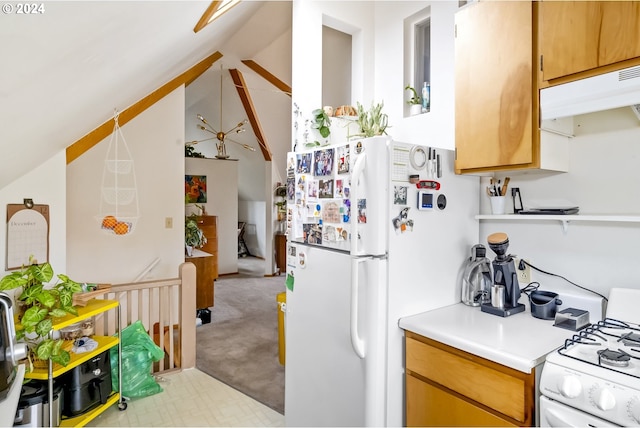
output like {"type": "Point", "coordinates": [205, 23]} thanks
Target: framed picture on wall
{"type": "Point", "coordinates": [195, 189]}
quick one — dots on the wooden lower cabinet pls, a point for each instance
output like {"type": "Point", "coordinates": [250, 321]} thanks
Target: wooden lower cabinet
{"type": "Point", "coordinates": [449, 387]}
{"type": "Point", "coordinates": [433, 406]}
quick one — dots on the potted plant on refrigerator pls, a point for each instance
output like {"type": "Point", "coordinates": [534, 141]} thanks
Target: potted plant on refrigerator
{"type": "Point", "coordinates": [321, 122]}
{"type": "Point", "coordinates": [372, 122]}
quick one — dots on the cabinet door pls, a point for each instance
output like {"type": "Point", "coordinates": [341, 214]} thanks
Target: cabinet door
{"type": "Point", "coordinates": [578, 36]}
{"type": "Point", "coordinates": [428, 405]}
{"type": "Point", "coordinates": [493, 85]}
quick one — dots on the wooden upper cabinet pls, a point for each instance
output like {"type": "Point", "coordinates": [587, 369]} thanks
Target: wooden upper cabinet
{"type": "Point", "coordinates": [582, 36]}
{"type": "Point", "coordinates": [494, 87]}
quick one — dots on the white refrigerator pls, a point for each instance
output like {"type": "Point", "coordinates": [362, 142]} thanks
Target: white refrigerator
{"type": "Point", "coordinates": [377, 230]}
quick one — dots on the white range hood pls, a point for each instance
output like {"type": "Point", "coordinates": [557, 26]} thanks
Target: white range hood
{"type": "Point", "coordinates": [604, 92]}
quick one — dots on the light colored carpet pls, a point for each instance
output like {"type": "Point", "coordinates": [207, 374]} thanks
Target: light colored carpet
{"type": "Point", "coordinates": [240, 345]}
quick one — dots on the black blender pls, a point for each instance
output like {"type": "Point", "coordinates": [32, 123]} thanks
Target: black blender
{"type": "Point", "coordinates": [505, 291]}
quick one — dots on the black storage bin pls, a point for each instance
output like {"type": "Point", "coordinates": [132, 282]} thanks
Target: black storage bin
{"type": "Point", "coordinates": [204, 315]}
{"type": "Point", "coordinates": [87, 386]}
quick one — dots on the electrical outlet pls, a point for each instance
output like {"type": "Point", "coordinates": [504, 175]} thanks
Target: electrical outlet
{"type": "Point", "coordinates": [168, 222]}
{"type": "Point", "coordinates": [524, 275]}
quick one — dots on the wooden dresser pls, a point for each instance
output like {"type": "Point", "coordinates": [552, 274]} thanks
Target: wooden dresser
{"type": "Point", "coordinates": [281, 252]}
{"type": "Point", "coordinates": [206, 266]}
{"type": "Point", "coordinates": [209, 226]}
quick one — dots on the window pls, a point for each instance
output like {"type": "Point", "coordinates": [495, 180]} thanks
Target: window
{"type": "Point", "coordinates": [417, 55]}
{"type": "Point", "coordinates": [422, 54]}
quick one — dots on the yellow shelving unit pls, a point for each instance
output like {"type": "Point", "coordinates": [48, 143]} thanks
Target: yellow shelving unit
{"type": "Point", "coordinates": [104, 343]}
{"type": "Point", "coordinates": [82, 420]}
{"type": "Point", "coordinates": [93, 307]}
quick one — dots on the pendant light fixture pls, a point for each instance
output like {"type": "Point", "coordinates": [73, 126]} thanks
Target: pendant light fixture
{"type": "Point", "coordinates": [221, 136]}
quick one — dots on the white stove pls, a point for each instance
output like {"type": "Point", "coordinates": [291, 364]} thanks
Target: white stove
{"type": "Point", "coordinates": [594, 379]}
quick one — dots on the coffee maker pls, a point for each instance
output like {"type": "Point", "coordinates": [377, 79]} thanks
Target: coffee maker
{"type": "Point", "coordinates": [505, 291]}
{"type": "Point", "coordinates": [476, 277]}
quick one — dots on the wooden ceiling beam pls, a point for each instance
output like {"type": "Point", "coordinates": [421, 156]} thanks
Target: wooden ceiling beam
{"type": "Point", "coordinates": [206, 16]}
{"type": "Point", "coordinates": [247, 103]}
{"type": "Point", "coordinates": [261, 71]}
{"type": "Point", "coordinates": [85, 143]}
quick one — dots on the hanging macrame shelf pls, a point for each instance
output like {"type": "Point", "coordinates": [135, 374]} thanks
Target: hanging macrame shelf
{"type": "Point", "coordinates": [119, 210]}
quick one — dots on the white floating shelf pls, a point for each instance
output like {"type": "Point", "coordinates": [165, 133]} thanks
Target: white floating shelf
{"type": "Point", "coordinates": [564, 219]}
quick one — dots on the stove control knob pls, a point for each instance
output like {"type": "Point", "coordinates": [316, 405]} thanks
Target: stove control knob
{"type": "Point", "coordinates": [603, 398]}
{"type": "Point", "coordinates": [633, 408]}
{"type": "Point", "coordinates": [570, 386]}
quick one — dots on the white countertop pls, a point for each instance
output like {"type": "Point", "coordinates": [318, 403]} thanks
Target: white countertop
{"type": "Point", "coordinates": [519, 341]}
{"type": "Point", "coordinates": [9, 405]}
{"type": "Point", "coordinates": [198, 253]}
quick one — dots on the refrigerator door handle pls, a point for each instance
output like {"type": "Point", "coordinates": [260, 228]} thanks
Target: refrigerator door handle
{"type": "Point", "coordinates": [358, 169]}
{"type": "Point", "coordinates": [356, 341]}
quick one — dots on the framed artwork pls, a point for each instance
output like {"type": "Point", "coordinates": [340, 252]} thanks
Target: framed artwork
{"type": "Point", "coordinates": [195, 189]}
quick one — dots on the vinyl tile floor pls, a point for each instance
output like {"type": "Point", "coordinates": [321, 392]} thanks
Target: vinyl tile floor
{"type": "Point", "coordinates": [191, 398]}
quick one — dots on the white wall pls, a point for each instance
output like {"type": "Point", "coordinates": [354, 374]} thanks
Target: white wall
{"type": "Point", "coordinates": [222, 201]}
{"type": "Point", "coordinates": [355, 18]}
{"type": "Point", "coordinates": [156, 141]}
{"type": "Point", "coordinates": [393, 71]}
{"type": "Point", "coordinates": [603, 178]}
{"type": "Point", "coordinates": [45, 185]}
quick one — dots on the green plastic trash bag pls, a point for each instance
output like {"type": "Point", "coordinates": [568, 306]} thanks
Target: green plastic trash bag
{"type": "Point", "coordinates": [138, 354]}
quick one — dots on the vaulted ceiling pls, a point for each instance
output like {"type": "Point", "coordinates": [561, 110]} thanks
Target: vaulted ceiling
{"type": "Point", "coordinates": [66, 69]}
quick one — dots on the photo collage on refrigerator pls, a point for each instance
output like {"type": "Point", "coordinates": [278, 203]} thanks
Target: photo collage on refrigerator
{"type": "Point", "coordinates": [318, 190]}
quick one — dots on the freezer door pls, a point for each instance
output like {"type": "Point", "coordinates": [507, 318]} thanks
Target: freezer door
{"type": "Point", "coordinates": [326, 382]}
{"type": "Point", "coordinates": [318, 210]}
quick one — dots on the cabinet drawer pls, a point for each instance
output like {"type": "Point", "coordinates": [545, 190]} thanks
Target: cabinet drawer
{"type": "Point", "coordinates": [431, 406]}
{"type": "Point", "coordinates": [501, 388]}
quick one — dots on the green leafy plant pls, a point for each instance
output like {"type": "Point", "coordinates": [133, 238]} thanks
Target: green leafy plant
{"type": "Point", "coordinates": [193, 235]}
{"type": "Point", "coordinates": [372, 122]}
{"type": "Point", "coordinates": [41, 307]}
{"type": "Point", "coordinates": [321, 122]}
{"type": "Point", "coordinates": [415, 98]}
{"type": "Point", "coordinates": [190, 152]}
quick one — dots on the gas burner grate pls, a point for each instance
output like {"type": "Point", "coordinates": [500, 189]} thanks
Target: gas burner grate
{"type": "Point", "coordinates": [630, 339]}
{"type": "Point", "coordinates": [610, 357]}
{"type": "Point", "coordinates": [607, 359]}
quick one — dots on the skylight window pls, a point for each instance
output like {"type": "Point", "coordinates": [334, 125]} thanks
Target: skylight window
{"type": "Point", "coordinates": [215, 10]}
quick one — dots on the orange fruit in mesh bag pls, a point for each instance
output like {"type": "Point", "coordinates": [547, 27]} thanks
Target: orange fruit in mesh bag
{"type": "Point", "coordinates": [109, 222]}
{"type": "Point", "coordinates": [121, 228]}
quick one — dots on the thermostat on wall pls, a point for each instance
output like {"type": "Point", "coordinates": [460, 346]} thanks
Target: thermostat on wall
{"type": "Point", "coordinates": [425, 200]}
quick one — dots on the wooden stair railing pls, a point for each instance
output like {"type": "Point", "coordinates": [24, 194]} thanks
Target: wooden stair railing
{"type": "Point", "coordinates": [160, 304]}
